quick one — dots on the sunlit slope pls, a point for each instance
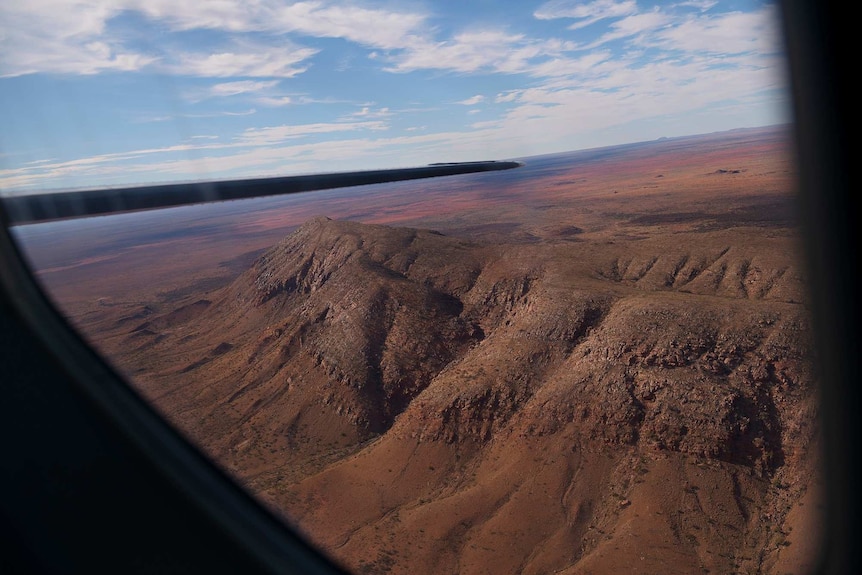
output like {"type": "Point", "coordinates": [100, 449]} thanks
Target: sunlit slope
{"type": "Point", "coordinates": [422, 403]}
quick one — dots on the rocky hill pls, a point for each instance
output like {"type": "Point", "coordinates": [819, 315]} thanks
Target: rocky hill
{"type": "Point", "coordinates": [420, 403]}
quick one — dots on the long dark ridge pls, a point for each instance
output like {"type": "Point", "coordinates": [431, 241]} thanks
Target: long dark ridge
{"type": "Point", "coordinates": [77, 204]}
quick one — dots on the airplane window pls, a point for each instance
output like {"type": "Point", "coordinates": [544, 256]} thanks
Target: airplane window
{"type": "Point", "coordinates": [594, 360]}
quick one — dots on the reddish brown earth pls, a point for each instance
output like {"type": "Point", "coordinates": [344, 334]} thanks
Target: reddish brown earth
{"type": "Point", "coordinates": [601, 365]}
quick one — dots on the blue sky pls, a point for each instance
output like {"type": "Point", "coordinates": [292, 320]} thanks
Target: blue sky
{"type": "Point", "coordinates": [118, 92]}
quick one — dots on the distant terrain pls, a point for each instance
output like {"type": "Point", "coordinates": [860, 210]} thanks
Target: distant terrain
{"type": "Point", "coordinates": [597, 363]}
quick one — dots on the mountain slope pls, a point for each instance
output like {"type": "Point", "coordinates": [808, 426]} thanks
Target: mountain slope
{"type": "Point", "coordinates": [421, 403]}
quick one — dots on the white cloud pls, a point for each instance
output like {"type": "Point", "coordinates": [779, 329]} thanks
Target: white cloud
{"type": "Point", "coordinates": [251, 141]}
{"type": "Point", "coordinates": [478, 50]}
{"type": "Point", "coordinates": [219, 114]}
{"type": "Point", "coordinates": [730, 33]}
{"type": "Point", "coordinates": [62, 37]}
{"type": "Point", "coordinates": [369, 112]}
{"type": "Point", "coordinates": [264, 158]}
{"type": "Point", "coordinates": [466, 52]}
{"type": "Point", "coordinates": [622, 93]}
{"type": "Point", "coordinates": [371, 27]}
{"type": "Point", "coordinates": [296, 99]}
{"type": "Point", "coordinates": [589, 64]}
{"type": "Point", "coordinates": [240, 87]}
{"type": "Point", "coordinates": [276, 134]}
{"type": "Point", "coordinates": [508, 96]}
{"type": "Point", "coordinates": [76, 36]}
{"type": "Point", "coordinates": [702, 5]}
{"type": "Point", "coordinates": [275, 102]}
{"type": "Point", "coordinates": [634, 25]}
{"type": "Point", "coordinates": [588, 13]}
{"type": "Point", "coordinates": [252, 61]}
{"type": "Point", "coordinates": [58, 58]}
{"type": "Point", "coordinates": [472, 101]}
{"type": "Point", "coordinates": [89, 165]}
{"type": "Point", "coordinates": [639, 23]}
{"type": "Point", "coordinates": [385, 29]}
{"type": "Point", "coordinates": [174, 117]}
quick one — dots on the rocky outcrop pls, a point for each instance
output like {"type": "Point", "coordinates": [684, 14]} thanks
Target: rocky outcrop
{"type": "Point", "coordinates": [381, 373]}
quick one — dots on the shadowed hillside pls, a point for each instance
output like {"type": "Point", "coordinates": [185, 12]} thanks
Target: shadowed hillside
{"type": "Point", "coordinates": [426, 404]}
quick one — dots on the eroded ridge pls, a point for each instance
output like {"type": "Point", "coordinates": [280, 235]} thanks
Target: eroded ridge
{"type": "Point", "coordinates": [417, 401]}
{"type": "Point", "coordinates": [737, 272]}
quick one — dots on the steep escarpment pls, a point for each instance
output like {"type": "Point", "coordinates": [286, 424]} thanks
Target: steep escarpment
{"type": "Point", "coordinates": [416, 402]}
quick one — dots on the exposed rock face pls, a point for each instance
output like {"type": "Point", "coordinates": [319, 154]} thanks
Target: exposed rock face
{"type": "Point", "coordinates": [419, 403]}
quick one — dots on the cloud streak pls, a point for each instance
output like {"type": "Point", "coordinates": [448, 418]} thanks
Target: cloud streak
{"type": "Point", "coordinates": [240, 87]}
{"type": "Point", "coordinates": [277, 134]}
{"type": "Point", "coordinates": [251, 62]}
{"type": "Point", "coordinates": [77, 36]}
{"type": "Point", "coordinates": [472, 101]}
{"type": "Point", "coordinates": [586, 13]}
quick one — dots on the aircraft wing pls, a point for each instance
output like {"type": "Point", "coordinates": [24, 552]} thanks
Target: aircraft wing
{"type": "Point", "coordinates": [32, 208]}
